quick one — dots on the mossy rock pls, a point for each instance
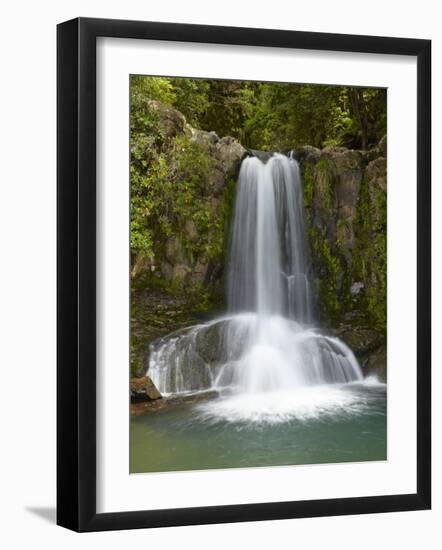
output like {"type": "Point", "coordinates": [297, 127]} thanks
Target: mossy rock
{"type": "Point", "coordinates": [377, 364]}
{"type": "Point", "coordinates": [362, 340]}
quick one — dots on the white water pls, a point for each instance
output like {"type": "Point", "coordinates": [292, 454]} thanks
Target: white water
{"type": "Point", "coordinates": [267, 264]}
{"type": "Point", "coordinates": [265, 355]}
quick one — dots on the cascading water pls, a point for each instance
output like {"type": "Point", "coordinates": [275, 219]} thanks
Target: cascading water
{"type": "Point", "coordinates": [266, 345]}
{"type": "Point", "coordinates": [267, 264]}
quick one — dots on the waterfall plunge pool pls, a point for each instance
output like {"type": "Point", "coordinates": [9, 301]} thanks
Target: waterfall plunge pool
{"type": "Point", "coordinates": [317, 425]}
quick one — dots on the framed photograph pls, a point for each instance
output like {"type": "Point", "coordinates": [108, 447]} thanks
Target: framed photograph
{"type": "Point", "coordinates": [243, 274]}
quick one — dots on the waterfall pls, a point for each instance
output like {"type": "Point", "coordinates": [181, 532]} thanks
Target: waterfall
{"type": "Point", "coordinates": [268, 262]}
{"type": "Point", "coordinates": [267, 343]}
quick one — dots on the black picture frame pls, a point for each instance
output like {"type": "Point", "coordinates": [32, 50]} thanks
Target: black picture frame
{"type": "Point", "coordinates": [77, 287]}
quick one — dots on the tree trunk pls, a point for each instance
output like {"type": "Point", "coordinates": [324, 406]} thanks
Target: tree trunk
{"type": "Point", "coordinates": [359, 107]}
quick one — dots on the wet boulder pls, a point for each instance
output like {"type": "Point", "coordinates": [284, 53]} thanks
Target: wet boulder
{"type": "Point", "coordinates": [143, 389]}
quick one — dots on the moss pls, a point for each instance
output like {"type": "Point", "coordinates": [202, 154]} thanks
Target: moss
{"type": "Point", "coordinates": [315, 238]}
{"type": "Point", "coordinates": [346, 251]}
{"type": "Point", "coordinates": [220, 229]}
{"type": "Point", "coordinates": [338, 265]}
{"type": "Point", "coordinates": [329, 283]}
{"type": "Point", "coordinates": [319, 180]}
{"type": "Point", "coordinates": [309, 184]}
{"type": "Point", "coordinates": [370, 254]}
{"type": "Point", "coordinates": [325, 179]}
{"type": "Point", "coordinates": [329, 273]}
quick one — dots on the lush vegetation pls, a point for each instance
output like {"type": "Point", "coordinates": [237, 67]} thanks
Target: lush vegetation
{"type": "Point", "coordinates": [182, 198]}
{"type": "Point", "coordinates": [271, 116]}
{"type": "Point", "coordinates": [169, 192]}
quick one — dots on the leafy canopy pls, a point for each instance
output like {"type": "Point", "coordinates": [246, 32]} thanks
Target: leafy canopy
{"type": "Point", "coordinates": [272, 116]}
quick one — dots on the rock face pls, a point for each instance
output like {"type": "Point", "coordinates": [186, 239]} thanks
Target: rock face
{"type": "Point", "coordinates": [376, 363]}
{"type": "Point", "coordinates": [367, 344]}
{"type": "Point", "coordinates": [143, 389]}
{"type": "Point", "coordinates": [180, 265]}
{"type": "Point", "coordinates": [189, 359]}
{"type": "Point", "coordinates": [345, 195]}
{"type": "Point", "coordinates": [185, 261]}
{"type": "Point", "coordinates": [172, 122]}
{"type": "Point", "coordinates": [345, 199]}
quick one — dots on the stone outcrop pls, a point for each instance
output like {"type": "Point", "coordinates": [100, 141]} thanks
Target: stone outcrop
{"type": "Point", "coordinates": [171, 122]}
{"type": "Point", "coordinates": [345, 200]}
{"type": "Point", "coordinates": [178, 264]}
{"type": "Point", "coordinates": [143, 407]}
{"type": "Point", "coordinates": [143, 389]}
{"type": "Point", "coordinates": [345, 195]}
{"type": "Point", "coordinates": [376, 363]}
{"type": "Point", "coordinates": [185, 265]}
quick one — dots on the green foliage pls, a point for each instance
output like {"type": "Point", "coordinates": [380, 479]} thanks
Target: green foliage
{"type": "Point", "coordinates": [291, 115]}
{"type": "Point", "coordinates": [272, 116]}
{"type": "Point", "coordinates": [227, 108]}
{"type": "Point", "coordinates": [286, 116]}
{"type": "Point", "coordinates": [168, 194]}
{"type": "Point", "coordinates": [151, 87]}
{"type": "Point", "coordinates": [191, 97]}
{"type": "Point", "coordinates": [145, 135]}
{"type": "Point", "coordinates": [187, 197]}
{"type": "Point", "coordinates": [172, 198]}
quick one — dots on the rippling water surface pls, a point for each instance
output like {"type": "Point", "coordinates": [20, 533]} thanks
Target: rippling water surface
{"type": "Point", "coordinates": [316, 425]}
